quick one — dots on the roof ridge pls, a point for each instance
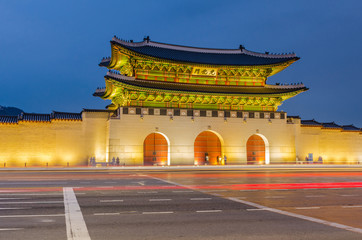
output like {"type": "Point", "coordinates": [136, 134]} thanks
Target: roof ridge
{"type": "Point", "coordinates": [240, 50]}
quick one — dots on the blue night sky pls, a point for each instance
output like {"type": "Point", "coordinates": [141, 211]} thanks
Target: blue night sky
{"type": "Point", "coordinates": [50, 50]}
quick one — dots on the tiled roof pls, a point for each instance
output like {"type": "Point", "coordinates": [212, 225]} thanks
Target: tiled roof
{"type": "Point", "coordinates": [35, 117]}
{"type": "Point", "coordinates": [105, 62]}
{"type": "Point", "coordinates": [294, 117]}
{"type": "Point", "coordinates": [8, 119]}
{"type": "Point", "coordinates": [350, 128]}
{"type": "Point", "coordinates": [238, 57]}
{"type": "Point", "coordinates": [331, 125]}
{"type": "Point", "coordinates": [66, 116]}
{"type": "Point", "coordinates": [311, 122]}
{"type": "Point", "coordinates": [97, 110]}
{"type": "Point", "coordinates": [203, 88]}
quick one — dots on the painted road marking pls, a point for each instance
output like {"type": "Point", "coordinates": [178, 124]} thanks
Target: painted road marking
{"type": "Point", "coordinates": [355, 206]}
{"type": "Point", "coordinates": [217, 190]}
{"type": "Point", "coordinates": [114, 213]}
{"type": "Point", "coordinates": [31, 216]}
{"type": "Point", "coordinates": [34, 194]}
{"type": "Point", "coordinates": [311, 219]}
{"type": "Point", "coordinates": [14, 208]}
{"type": "Point", "coordinates": [33, 183]}
{"type": "Point", "coordinates": [159, 199]}
{"type": "Point", "coordinates": [42, 202]}
{"type": "Point", "coordinates": [311, 196]}
{"type": "Point", "coordinates": [105, 201]}
{"type": "Point", "coordinates": [76, 228]}
{"type": "Point", "coordinates": [10, 229]}
{"type": "Point", "coordinates": [12, 198]}
{"type": "Point", "coordinates": [349, 195]}
{"type": "Point", "coordinates": [110, 182]}
{"type": "Point", "coordinates": [199, 199]}
{"type": "Point", "coordinates": [148, 192]}
{"type": "Point", "coordinates": [208, 211]}
{"type": "Point", "coordinates": [157, 212]}
{"type": "Point", "coordinates": [106, 214]}
{"type": "Point", "coordinates": [274, 197]}
{"type": "Point", "coordinates": [302, 208]}
{"type": "Point", "coordinates": [316, 220]}
{"type": "Point", "coordinates": [182, 191]}
{"type": "Point", "coordinates": [256, 209]}
{"type": "Point", "coordinates": [142, 183]}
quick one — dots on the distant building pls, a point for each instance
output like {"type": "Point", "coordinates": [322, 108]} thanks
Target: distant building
{"type": "Point", "coordinates": [177, 105]}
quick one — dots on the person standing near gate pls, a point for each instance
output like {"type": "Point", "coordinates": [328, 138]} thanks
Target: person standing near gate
{"type": "Point", "coordinates": [225, 159]}
{"type": "Point", "coordinates": [206, 158]}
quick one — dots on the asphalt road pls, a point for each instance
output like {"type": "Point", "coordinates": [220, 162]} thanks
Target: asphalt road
{"type": "Point", "coordinates": [182, 204]}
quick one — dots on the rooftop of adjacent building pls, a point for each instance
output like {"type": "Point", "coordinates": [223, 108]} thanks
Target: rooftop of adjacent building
{"type": "Point", "coordinates": [236, 57]}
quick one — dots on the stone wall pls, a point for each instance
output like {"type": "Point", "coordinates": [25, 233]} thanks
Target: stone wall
{"type": "Point", "coordinates": [64, 142]}
{"type": "Point", "coordinates": [54, 143]}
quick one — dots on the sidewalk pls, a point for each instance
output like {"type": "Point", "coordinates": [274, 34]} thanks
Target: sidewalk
{"type": "Point", "coordinates": [188, 167]}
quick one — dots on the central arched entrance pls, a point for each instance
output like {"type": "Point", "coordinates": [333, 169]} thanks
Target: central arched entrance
{"type": "Point", "coordinates": [207, 145]}
{"type": "Point", "coordinates": [155, 150]}
{"type": "Point", "coordinates": [255, 148]}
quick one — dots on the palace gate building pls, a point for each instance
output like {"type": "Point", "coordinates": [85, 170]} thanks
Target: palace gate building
{"type": "Point", "coordinates": [177, 105]}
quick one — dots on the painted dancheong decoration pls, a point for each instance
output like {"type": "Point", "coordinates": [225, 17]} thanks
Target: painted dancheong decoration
{"type": "Point", "coordinates": [153, 74]}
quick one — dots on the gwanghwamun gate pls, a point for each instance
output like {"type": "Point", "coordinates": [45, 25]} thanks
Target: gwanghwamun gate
{"type": "Point", "coordinates": [178, 105]}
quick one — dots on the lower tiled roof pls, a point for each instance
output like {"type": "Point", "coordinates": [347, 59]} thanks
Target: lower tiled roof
{"type": "Point", "coordinates": [204, 88]}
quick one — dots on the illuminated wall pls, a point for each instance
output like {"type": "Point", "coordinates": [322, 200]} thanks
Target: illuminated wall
{"type": "Point", "coordinates": [54, 143]}
{"type": "Point", "coordinates": [129, 131]}
{"type": "Point", "coordinates": [59, 142]}
{"type": "Point", "coordinates": [334, 146]}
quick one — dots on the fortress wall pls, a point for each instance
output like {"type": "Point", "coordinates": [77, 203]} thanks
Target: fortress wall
{"type": "Point", "coordinates": [334, 146]}
{"type": "Point", "coordinates": [127, 135]}
{"type": "Point", "coordinates": [41, 143]}
{"type": "Point", "coordinates": [56, 143]}
{"type": "Point", "coordinates": [59, 142]}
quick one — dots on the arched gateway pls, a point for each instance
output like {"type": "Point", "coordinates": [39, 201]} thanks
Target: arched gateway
{"type": "Point", "coordinates": [255, 148]}
{"type": "Point", "coordinates": [155, 150]}
{"type": "Point", "coordinates": [207, 145]}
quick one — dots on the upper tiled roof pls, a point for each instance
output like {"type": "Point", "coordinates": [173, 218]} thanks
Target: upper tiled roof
{"type": "Point", "coordinates": [203, 88]}
{"type": "Point", "coordinates": [238, 57]}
